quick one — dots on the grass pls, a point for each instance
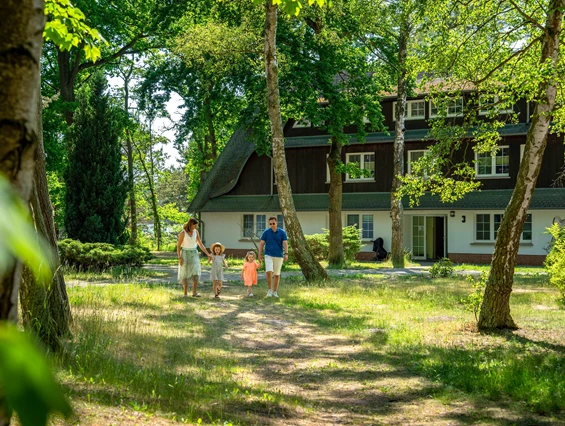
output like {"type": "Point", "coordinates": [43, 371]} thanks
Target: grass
{"type": "Point", "coordinates": [367, 348]}
{"type": "Point", "coordinates": [117, 274]}
{"type": "Point", "coordinates": [530, 270]}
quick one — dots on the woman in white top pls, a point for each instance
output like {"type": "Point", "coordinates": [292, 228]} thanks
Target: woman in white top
{"type": "Point", "coordinates": [189, 260]}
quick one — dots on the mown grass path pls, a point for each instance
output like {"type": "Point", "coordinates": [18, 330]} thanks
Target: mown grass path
{"type": "Point", "coordinates": [367, 349]}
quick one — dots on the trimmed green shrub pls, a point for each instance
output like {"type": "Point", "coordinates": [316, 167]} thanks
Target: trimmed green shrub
{"type": "Point", "coordinates": [442, 268]}
{"type": "Point", "coordinates": [555, 260]}
{"type": "Point", "coordinates": [320, 244]}
{"type": "Point", "coordinates": [100, 256]}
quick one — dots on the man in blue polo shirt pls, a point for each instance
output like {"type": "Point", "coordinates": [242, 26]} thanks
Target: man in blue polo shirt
{"type": "Point", "coordinates": [275, 241]}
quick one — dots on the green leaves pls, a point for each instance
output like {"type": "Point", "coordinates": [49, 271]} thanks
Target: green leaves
{"type": "Point", "coordinates": [66, 27]}
{"type": "Point", "coordinates": [293, 7]}
{"type": "Point", "coordinates": [26, 381]}
{"type": "Point", "coordinates": [19, 239]}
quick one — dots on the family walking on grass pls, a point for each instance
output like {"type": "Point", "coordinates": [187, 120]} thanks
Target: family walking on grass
{"type": "Point", "coordinates": [274, 242]}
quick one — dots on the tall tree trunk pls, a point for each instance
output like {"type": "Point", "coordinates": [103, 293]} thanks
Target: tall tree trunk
{"type": "Point", "coordinates": [396, 207]}
{"type": "Point", "coordinates": [21, 39]}
{"type": "Point", "coordinates": [45, 305]}
{"type": "Point", "coordinates": [129, 153]}
{"type": "Point", "coordinates": [336, 255]}
{"type": "Point", "coordinates": [154, 207]}
{"type": "Point", "coordinates": [495, 310]}
{"type": "Point", "coordinates": [310, 267]}
{"type": "Point", "coordinates": [67, 78]}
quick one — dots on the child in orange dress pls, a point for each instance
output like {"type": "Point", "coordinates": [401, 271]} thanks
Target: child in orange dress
{"type": "Point", "coordinates": [249, 272]}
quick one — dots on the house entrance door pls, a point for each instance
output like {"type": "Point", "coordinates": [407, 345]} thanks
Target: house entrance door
{"type": "Point", "coordinates": [428, 237]}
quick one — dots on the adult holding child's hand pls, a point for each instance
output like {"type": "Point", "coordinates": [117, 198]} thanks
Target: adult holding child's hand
{"type": "Point", "coordinates": [189, 260]}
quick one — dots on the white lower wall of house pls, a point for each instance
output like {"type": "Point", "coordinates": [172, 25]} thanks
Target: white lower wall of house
{"type": "Point", "coordinates": [461, 236]}
{"type": "Point", "coordinates": [227, 229]}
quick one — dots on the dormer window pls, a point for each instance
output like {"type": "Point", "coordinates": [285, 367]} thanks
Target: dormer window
{"type": "Point", "coordinates": [453, 107]}
{"type": "Point", "coordinates": [415, 110]}
{"type": "Point", "coordinates": [489, 104]}
{"type": "Point", "coordinates": [302, 123]}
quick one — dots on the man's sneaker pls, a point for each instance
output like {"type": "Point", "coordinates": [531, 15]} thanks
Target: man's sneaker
{"type": "Point", "coordinates": [250, 295]}
{"type": "Point", "coordinates": [270, 293]}
{"type": "Point", "coordinates": [275, 294]}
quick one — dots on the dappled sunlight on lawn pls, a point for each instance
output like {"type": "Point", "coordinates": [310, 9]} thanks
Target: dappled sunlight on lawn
{"type": "Point", "coordinates": [358, 350]}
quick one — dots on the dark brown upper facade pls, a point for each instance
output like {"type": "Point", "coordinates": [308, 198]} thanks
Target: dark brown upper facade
{"type": "Point", "coordinates": [307, 148]}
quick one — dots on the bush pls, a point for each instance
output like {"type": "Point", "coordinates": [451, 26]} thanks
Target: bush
{"type": "Point", "coordinates": [100, 256]}
{"type": "Point", "coordinates": [442, 268]}
{"type": "Point", "coordinates": [320, 244]}
{"type": "Point", "coordinates": [474, 300]}
{"type": "Point", "coordinates": [555, 260]}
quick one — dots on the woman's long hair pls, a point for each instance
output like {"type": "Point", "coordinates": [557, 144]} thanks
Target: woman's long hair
{"type": "Point", "coordinates": [189, 224]}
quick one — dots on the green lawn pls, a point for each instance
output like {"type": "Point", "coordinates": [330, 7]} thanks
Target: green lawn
{"type": "Point", "coordinates": [367, 349]}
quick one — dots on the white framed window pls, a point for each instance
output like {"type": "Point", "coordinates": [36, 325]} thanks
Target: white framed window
{"type": "Point", "coordinates": [487, 225]}
{"type": "Point", "coordinates": [367, 229]}
{"type": "Point", "coordinates": [363, 222]}
{"type": "Point", "coordinates": [414, 156]}
{"type": "Point", "coordinates": [254, 225]}
{"type": "Point", "coordinates": [488, 104]}
{"type": "Point", "coordinates": [415, 110]}
{"type": "Point", "coordinates": [280, 221]}
{"type": "Point", "coordinates": [353, 220]}
{"type": "Point", "coordinates": [366, 162]}
{"type": "Point", "coordinates": [302, 123]}
{"type": "Point", "coordinates": [454, 107]}
{"type": "Point", "coordinates": [493, 164]}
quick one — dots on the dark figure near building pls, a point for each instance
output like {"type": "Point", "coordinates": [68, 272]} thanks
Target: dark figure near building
{"type": "Point", "coordinates": [379, 250]}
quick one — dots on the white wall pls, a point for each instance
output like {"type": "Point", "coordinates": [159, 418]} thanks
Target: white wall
{"type": "Point", "coordinates": [226, 228]}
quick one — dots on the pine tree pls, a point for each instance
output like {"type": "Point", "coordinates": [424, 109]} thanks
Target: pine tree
{"type": "Point", "coordinates": [95, 177]}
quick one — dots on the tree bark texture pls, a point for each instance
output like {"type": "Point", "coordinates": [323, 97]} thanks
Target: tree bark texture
{"type": "Point", "coordinates": [310, 267]}
{"type": "Point", "coordinates": [129, 153]}
{"type": "Point", "coordinates": [495, 309]}
{"type": "Point", "coordinates": [336, 255]}
{"type": "Point", "coordinates": [45, 305]}
{"type": "Point", "coordinates": [21, 31]}
{"type": "Point", "coordinates": [21, 39]}
{"type": "Point", "coordinates": [396, 207]}
{"type": "Point", "coordinates": [67, 78]}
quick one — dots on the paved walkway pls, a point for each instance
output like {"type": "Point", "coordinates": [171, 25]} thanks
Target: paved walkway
{"type": "Point", "coordinates": [168, 274]}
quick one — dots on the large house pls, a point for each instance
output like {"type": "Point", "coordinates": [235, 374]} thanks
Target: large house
{"type": "Point", "coordinates": [239, 194]}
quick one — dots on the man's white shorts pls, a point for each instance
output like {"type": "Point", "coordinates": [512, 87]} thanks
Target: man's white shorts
{"type": "Point", "coordinates": [273, 264]}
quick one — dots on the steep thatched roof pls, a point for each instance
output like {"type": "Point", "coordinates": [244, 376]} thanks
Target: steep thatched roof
{"type": "Point", "coordinates": [226, 170]}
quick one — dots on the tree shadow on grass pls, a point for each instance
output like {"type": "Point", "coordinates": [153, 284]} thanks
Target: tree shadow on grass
{"type": "Point", "coordinates": [263, 363]}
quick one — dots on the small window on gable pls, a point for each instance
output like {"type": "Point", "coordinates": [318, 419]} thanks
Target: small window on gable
{"type": "Point", "coordinates": [489, 104]}
{"type": "Point", "coordinates": [415, 110]}
{"type": "Point", "coordinates": [453, 107]}
{"type": "Point", "coordinates": [366, 163]}
{"type": "Point", "coordinates": [302, 123]}
{"type": "Point", "coordinates": [493, 164]}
